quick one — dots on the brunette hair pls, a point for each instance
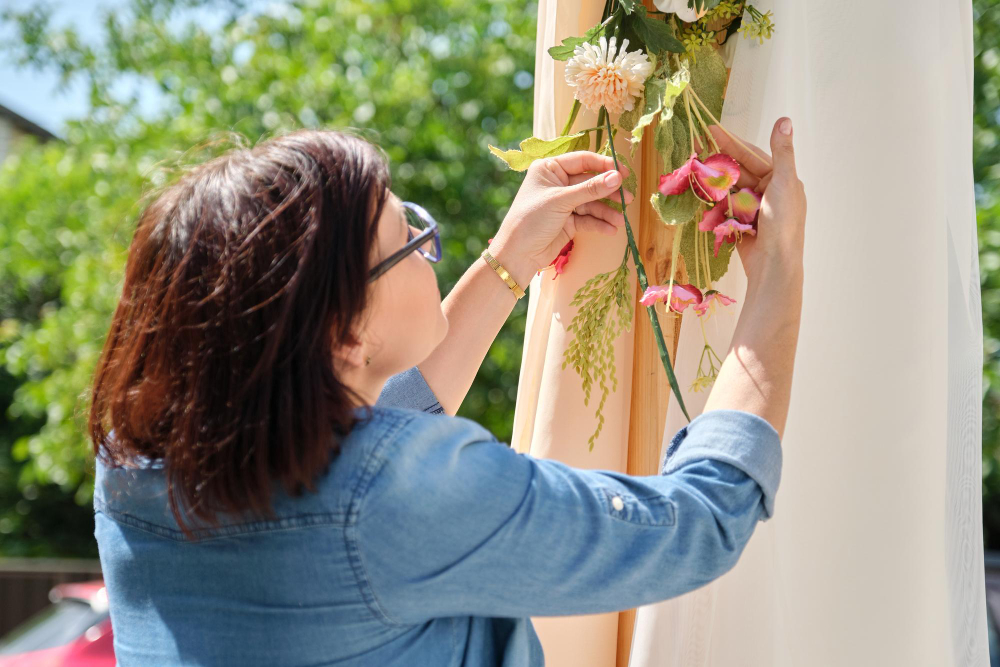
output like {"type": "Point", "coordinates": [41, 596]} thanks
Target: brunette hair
{"type": "Point", "coordinates": [240, 278]}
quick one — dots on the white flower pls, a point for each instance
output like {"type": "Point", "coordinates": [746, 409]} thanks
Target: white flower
{"type": "Point", "coordinates": [603, 79]}
{"type": "Point", "coordinates": [680, 7]}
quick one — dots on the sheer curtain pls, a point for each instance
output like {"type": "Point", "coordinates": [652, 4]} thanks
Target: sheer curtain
{"type": "Point", "coordinates": [874, 556]}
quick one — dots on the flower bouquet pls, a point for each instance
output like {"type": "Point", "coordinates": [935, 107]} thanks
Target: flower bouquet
{"type": "Point", "coordinates": [660, 70]}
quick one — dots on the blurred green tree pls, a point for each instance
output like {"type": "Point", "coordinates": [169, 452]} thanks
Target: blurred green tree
{"type": "Point", "coordinates": [986, 166]}
{"type": "Point", "coordinates": [432, 82]}
{"type": "Point", "coordinates": [435, 82]}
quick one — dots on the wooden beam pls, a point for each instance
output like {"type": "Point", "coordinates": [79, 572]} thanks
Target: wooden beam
{"type": "Point", "coordinates": [650, 387]}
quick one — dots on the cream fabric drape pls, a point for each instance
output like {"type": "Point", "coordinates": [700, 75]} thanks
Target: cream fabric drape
{"type": "Point", "coordinates": [874, 556]}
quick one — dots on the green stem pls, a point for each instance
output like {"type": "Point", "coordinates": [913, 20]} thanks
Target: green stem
{"type": "Point", "coordinates": [640, 272]}
{"type": "Point", "coordinates": [572, 117]}
{"type": "Point", "coordinates": [600, 129]}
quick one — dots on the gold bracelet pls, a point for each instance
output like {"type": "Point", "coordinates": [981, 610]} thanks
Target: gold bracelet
{"type": "Point", "coordinates": [503, 273]}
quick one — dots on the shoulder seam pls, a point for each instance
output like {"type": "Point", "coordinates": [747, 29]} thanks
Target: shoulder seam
{"type": "Point", "coordinates": [373, 466]}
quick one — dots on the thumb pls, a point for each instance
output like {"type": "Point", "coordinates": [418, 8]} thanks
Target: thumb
{"type": "Point", "coordinates": [782, 150]}
{"type": "Point", "coordinates": [598, 187]}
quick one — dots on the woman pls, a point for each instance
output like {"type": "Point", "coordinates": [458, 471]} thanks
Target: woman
{"type": "Point", "coordinates": [268, 495]}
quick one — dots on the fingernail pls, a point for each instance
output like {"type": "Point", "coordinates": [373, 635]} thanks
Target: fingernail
{"type": "Point", "coordinates": [785, 126]}
{"type": "Point", "coordinates": [613, 179]}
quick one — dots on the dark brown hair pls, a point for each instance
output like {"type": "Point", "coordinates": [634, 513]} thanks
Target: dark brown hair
{"type": "Point", "coordinates": [240, 278]}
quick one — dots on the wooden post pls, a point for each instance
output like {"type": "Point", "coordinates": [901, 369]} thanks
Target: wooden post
{"type": "Point", "coordinates": [650, 387]}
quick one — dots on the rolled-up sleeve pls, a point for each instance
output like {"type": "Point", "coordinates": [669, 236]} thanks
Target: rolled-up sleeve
{"type": "Point", "coordinates": [739, 438]}
{"type": "Point", "coordinates": [409, 390]}
{"type": "Point", "coordinates": [454, 522]}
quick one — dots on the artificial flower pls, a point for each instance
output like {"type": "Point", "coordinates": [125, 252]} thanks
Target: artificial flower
{"type": "Point", "coordinates": [710, 180]}
{"type": "Point", "coordinates": [729, 230]}
{"type": "Point", "coordinates": [562, 258]}
{"type": "Point", "coordinates": [681, 296]}
{"type": "Point", "coordinates": [559, 262]}
{"type": "Point", "coordinates": [680, 7]}
{"type": "Point", "coordinates": [710, 297]}
{"type": "Point", "coordinates": [745, 203]}
{"type": "Point", "coordinates": [602, 78]}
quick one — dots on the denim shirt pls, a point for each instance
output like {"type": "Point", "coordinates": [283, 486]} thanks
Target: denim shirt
{"type": "Point", "coordinates": [428, 542]}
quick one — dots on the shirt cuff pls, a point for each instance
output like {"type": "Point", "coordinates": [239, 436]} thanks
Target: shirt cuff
{"type": "Point", "coordinates": [742, 439]}
{"type": "Point", "coordinates": [409, 390]}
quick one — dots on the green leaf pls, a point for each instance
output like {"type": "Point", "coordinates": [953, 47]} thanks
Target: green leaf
{"type": "Point", "coordinates": [701, 5]}
{"type": "Point", "coordinates": [656, 35]}
{"type": "Point", "coordinates": [629, 6]}
{"type": "Point", "coordinates": [675, 209]}
{"type": "Point", "coordinates": [534, 148]}
{"type": "Point", "coordinates": [690, 235]}
{"type": "Point", "coordinates": [708, 78]}
{"type": "Point", "coordinates": [659, 98]}
{"type": "Point", "coordinates": [565, 50]}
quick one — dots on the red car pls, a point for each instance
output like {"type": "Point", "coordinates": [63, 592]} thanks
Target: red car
{"type": "Point", "coordinates": [74, 631]}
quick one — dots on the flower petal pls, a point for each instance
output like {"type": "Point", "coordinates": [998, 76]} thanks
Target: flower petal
{"type": "Point", "coordinates": [727, 231]}
{"type": "Point", "coordinates": [710, 296]}
{"type": "Point", "coordinates": [562, 258]}
{"type": "Point", "coordinates": [676, 182]}
{"type": "Point", "coordinates": [746, 203]}
{"type": "Point", "coordinates": [716, 175]}
{"type": "Point", "coordinates": [681, 297]}
{"type": "Point", "coordinates": [684, 295]}
{"type": "Point", "coordinates": [713, 217]}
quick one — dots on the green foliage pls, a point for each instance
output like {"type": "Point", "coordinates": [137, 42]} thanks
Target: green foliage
{"type": "Point", "coordinates": [696, 248]}
{"type": "Point", "coordinates": [605, 310]}
{"type": "Point", "coordinates": [565, 50]}
{"type": "Point", "coordinates": [655, 36]}
{"type": "Point", "coordinates": [435, 83]}
{"type": "Point", "coordinates": [659, 97]}
{"type": "Point", "coordinates": [534, 148]}
{"type": "Point", "coordinates": [986, 173]}
{"type": "Point", "coordinates": [701, 5]}
{"type": "Point", "coordinates": [675, 209]}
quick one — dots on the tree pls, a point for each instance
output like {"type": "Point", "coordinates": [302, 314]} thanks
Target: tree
{"type": "Point", "coordinates": [432, 82]}
{"type": "Point", "coordinates": [986, 158]}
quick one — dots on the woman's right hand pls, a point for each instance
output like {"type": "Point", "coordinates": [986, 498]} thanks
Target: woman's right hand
{"type": "Point", "coordinates": [780, 237]}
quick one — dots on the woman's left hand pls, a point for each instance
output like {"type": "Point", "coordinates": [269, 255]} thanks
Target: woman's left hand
{"type": "Point", "coordinates": [557, 199]}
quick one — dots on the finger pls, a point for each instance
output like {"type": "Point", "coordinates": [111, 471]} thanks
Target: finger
{"type": "Point", "coordinates": [579, 162]}
{"type": "Point", "coordinates": [751, 158]}
{"type": "Point", "coordinates": [596, 187]}
{"type": "Point", "coordinates": [588, 223]}
{"type": "Point", "coordinates": [747, 180]}
{"type": "Point", "coordinates": [781, 147]}
{"type": "Point", "coordinates": [601, 211]}
{"type": "Point", "coordinates": [762, 186]}
{"type": "Point", "coordinates": [580, 178]}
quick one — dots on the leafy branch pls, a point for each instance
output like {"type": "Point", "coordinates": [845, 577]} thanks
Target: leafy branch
{"type": "Point", "coordinates": [605, 311]}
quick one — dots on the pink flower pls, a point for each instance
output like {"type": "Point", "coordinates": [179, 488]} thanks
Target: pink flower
{"type": "Point", "coordinates": [710, 296]}
{"type": "Point", "coordinates": [681, 296]}
{"type": "Point", "coordinates": [710, 180]}
{"type": "Point", "coordinates": [745, 203]}
{"type": "Point", "coordinates": [562, 258]}
{"type": "Point", "coordinates": [729, 230]}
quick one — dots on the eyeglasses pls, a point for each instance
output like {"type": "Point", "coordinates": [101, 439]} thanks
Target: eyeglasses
{"type": "Point", "coordinates": [422, 234]}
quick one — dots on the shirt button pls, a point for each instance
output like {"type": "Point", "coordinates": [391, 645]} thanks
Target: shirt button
{"type": "Point", "coordinates": [618, 503]}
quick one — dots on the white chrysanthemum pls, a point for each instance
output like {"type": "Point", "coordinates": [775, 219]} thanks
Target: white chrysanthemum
{"type": "Point", "coordinates": [602, 78]}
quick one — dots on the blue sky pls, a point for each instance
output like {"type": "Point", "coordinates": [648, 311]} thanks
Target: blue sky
{"type": "Point", "coordinates": [32, 94]}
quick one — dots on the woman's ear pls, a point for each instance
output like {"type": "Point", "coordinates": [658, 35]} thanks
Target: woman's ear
{"type": "Point", "coordinates": [350, 355]}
